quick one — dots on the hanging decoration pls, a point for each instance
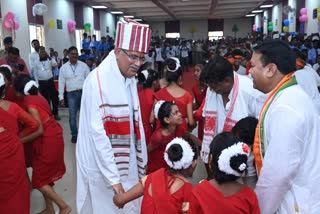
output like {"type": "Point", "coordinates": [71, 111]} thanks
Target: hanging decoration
{"type": "Point", "coordinates": [87, 27]}
{"type": "Point", "coordinates": [39, 9]}
{"type": "Point", "coordinates": [254, 27]}
{"type": "Point", "coordinates": [10, 21]}
{"type": "Point", "coordinates": [303, 18]}
{"type": "Point", "coordinates": [51, 23]}
{"type": "Point", "coordinates": [71, 24]}
{"type": "Point", "coordinates": [270, 26]}
{"type": "Point", "coordinates": [285, 29]}
{"type": "Point", "coordinates": [286, 22]}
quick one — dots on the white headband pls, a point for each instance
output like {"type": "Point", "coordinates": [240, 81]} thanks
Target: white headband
{"type": "Point", "coordinates": [177, 64]}
{"type": "Point", "coordinates": [28, 86]}
{"type": "Point", "coordinates": [7, 66]}
{"type": "Point", "coordinates": [145, 73]}
{"type": "Point", "coordinates": [187, 155]}
{"type": "Point", "coordinates": [157, 107]}
{"type": "Point", "coordinates": [2, 82]}
{"type": "Point", "coordinates": [226, 155]}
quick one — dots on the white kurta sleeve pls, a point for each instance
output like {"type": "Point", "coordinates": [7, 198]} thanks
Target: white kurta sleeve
{"type": "Point", "coordinates": [99, 141]}
{"type": "Point", "coordinates": [62, 82]}
{"type": "Point", "coordinates": [284, 138]}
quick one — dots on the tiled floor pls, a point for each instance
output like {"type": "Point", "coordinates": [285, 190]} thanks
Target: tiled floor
{"type": "Point", "coordinates": [66, 187]}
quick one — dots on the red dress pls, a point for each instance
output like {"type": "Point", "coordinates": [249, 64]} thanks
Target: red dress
{"type": "Point", "coordinates": [48, 149]}
{"type": "Point", "coordinates": [205, 198]}
{"type": "Point", "coordinates": [27, 124]}
{"type": "Point", "coordinates": [181, 102]}
{"type": "Point", "coordinates": [162, 201]}
{"type": "Point", "coordinates": [159, 143]}
{"type": "Point", "coordinates": [14, 187]}
{"type": "Point", "coordinates": [199, 97]}
{"type": "Point", "coordinates": [146, 98]}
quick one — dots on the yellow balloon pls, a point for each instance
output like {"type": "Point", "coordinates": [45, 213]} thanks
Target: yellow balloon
{"type": "Point", "coordinates": [285, 29]}
{"type": "Point", "coordinates": [318, 17]}
{"type": "Point", "coordinates": [52, 23]}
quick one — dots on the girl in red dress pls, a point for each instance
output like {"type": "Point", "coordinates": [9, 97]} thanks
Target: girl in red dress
{"type": "Point", "coordinates": [14, 186]}
{"type": "Point", "coordinates": [166, 190]}
{"type": "Point", "coordinates": [173, 92]}
{"type": "Point", "coordinates": [148, 83]}
{"type": "Point", "coordinates": [170, 117]}
{"type": "Point", "coordinates": [199, 91]}
{"type": "Point", "coordinates": [223, 194]}
{"type": "Point", "coordinates": [48, 149]}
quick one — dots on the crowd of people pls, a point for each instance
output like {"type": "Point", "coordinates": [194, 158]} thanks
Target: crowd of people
{"type": "Point", "coordinates": [255, 103]}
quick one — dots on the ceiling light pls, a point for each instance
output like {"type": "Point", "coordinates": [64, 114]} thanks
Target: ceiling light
{"type": "Point", "coordinates": [266, 6]}
{"type": "Point", "coordinates": [257, 11]}
{"type": "Point", "coordinates": [130, 17]}
{"type": "Point", "coordinates": [116, 12]}
{"type": "Point", "coordinates": [250, 15]}
{"type": "Point", "coordinates": [99, 7]}
{"type": "Point", "coordinates": [137, 20]}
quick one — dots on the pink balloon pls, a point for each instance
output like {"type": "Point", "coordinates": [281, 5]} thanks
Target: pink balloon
{"type": "Point", "coordinates": [16, 25]}
{"type": "Point", "coordinates": [71, 26]}
{"type": "Point", "coordinates": [304, 18]}
{"type": "Point", "coordinates": [9, 15]}
{"type": "Point", "coordinates": [300, 19]}
{"type": "Point", "coordinates": [303, 11]}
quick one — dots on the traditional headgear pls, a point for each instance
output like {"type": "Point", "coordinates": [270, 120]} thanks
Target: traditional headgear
{"type": "Point", "coordinates": [7, 66]}
{"type": "Point", "coordinates": [177, 64]}
{"type": "Point", "coordinates": [2, 82]}
{"type": "Point", "coordinates": [187, 155]}
{"type": "Point", "coordinates": [133, 36]}
{"type": "Point", "coordinates": [157, 107]}
{"type": "Point", "coordinates": [28, 86]}
{"type": "Point", "coordinates": [232, 151]}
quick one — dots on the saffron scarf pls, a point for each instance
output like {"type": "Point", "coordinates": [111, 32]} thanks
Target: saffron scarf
{"type": "Point", "coordinates": [259, 146]}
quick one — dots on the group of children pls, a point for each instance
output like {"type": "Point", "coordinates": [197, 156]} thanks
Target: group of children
{"type": "Point", "coordinates": [28, 123]}
{"type": "Point", "coordinates": [173, 154]}
{"type": "Point", "coordinates": [167, 190]}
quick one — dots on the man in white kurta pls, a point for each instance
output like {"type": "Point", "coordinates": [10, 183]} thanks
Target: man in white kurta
{"type": "Point", "coordinates": [243, 101]}
{"type": "Point", "coordinates": [111, 150]}
{"type": "Point", "coordinates": [287, 143]}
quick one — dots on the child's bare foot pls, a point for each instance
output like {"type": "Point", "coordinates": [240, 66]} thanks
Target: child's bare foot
{"type": "Point", "coordinates": [65, 210]}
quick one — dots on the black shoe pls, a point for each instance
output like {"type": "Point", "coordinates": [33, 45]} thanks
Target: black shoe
{"type": "Point", "coordinates": [56, 117]}
{"type": "Point", "coordinates": [74, 139]}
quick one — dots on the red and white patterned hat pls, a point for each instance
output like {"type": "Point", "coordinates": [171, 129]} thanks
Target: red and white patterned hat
{"type": "Point", "coordinates": [133, 36]}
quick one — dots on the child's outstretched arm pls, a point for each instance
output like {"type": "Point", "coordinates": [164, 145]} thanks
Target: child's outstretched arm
{"type": "Point", "coordinates": [135, 192]}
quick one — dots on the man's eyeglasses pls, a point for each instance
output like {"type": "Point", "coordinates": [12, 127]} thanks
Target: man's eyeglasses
{"type": "Point", "coordinates": [134, 57]}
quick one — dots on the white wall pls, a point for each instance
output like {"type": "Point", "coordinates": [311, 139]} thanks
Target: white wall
{"type": "Point", "coordinates": [277, 17]}
{"type": "Point", "coordinates": [59, 39]}
{"type": "Point", "coordinates": [244, 25]}
{"type": "Point", "coordinates": [158, 28]}
{"type": "Point", "coordinates": [22, 40]}
{"type": "Point", "coordinates": [312, 25]}
{"type": "Point", "coordinates": [200, 28]}
{"type": "Point", "coordinates": [107, 19]}
{"type": "Point", "coordinates": [292, 16]}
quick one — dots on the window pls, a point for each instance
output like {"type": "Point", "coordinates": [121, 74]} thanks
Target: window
{"type": "Point", "coordinates": [98, 34]}
{"type": "Point", "coordinates": [173, 35]}
{"type": "Point", "coordinates": [215, 35]}
{"type": "Point", "coordinates": [36, 32]}
{"type": "Point", "coordinates": [79, 33]}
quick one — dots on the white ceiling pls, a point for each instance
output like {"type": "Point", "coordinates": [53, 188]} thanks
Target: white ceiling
{"type": "Point", "coordinates": [163, 10]}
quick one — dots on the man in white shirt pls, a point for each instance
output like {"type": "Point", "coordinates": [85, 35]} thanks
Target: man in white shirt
{"type": "Point", "coordinates": [42, 71]}
{"type": "Point", "coordinates": [34, 56]}
{"type": "Point", "coordinates": [111, 149]}
{"type": "Point", "coordinates": [286, 146]}
{"type": "Point", "coordinates": [72, 75]}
